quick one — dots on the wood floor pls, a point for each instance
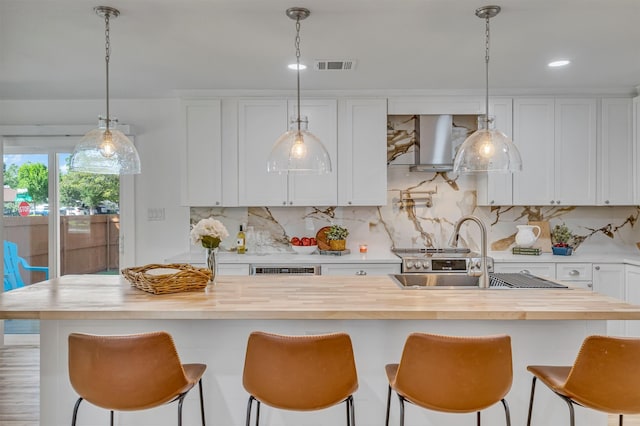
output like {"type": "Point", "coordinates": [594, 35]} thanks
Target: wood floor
{"type": "Point", "coordinates": [20, 383]}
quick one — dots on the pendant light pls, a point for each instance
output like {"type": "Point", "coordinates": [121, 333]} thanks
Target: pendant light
{"type": "Point", "coordinates": [487, 149]}
{"type": "Point", "coordinates": [298, 150]}
{"type": "Point", "coordinates": [106, 150]}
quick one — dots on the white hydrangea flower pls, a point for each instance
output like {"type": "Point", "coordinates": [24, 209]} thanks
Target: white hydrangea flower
{"type": "Point", "coordinates": [209, 232]}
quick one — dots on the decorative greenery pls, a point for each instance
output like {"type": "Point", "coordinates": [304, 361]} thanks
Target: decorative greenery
{"type": "Point", "coordinates": [337, 232]}
{"type": "Point", "coordinates": [561, 236]}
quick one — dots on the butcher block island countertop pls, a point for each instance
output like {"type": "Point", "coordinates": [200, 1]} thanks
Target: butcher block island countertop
{"type": "Point", "coordinates": [96, 297]}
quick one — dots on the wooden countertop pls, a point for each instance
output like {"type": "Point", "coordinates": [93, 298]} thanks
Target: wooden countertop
{"type": "Point", "coordinates": [291, 297]}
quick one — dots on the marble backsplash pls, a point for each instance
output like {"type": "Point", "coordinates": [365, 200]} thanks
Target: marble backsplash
{"type": "Point", "coordinates": [421, 211]}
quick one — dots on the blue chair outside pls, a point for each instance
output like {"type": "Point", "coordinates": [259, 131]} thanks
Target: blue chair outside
{"type": "Point", "coordinates": [12, 263]}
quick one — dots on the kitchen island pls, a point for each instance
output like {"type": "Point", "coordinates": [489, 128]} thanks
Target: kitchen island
{"type": "Point", "coordinates": [211, 326]}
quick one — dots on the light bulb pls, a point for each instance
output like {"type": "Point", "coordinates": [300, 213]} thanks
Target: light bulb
{"type": "Point", "coordinates": [107, 148]}
{"type": "Point", "coordinates": [299, 149]}
{"type": "Point", "coordinates": [487, 148]}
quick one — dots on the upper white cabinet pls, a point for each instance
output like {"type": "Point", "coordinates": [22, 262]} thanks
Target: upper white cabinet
{"type": "Point", "coordinates": [436, 105]}
{"type": "Point", "coordinates": [201, 162]}
{"type": "Point", "coordinates": [362, 152]}
{"type": "Point", "coordinates": [557, 142]}
{"type": "Point", "coordinates": [615, 153]}
{"type": "Point", "coordinates": [260, 124]}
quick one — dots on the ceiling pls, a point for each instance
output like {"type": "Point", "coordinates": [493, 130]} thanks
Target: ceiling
{"type": "Point", "coordinates": [55, 49]}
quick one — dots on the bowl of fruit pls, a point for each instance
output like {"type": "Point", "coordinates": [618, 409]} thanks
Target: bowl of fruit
{"type": "Point", "coordinates": [304, 245]}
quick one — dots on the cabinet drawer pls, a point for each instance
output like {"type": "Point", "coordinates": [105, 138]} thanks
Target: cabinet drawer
{"type": "Point", "coordinates": [360, 269]}
{"type": "Point", "coordinates": [574, 272]}
{"type": "Point", "coordinates": [545, 270]}
{"type": "Point", "coordinates": [233, 269]}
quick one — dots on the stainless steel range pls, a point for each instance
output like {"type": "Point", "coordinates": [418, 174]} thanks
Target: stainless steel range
{"type": "Point", "coordinates": [443, 260]}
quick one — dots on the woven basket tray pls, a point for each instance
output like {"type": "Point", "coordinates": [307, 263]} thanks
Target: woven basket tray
{"type": "Point", "coordinates": [171, 278]}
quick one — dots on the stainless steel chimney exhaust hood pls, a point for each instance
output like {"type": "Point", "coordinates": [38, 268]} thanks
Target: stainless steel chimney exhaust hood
{"type": "Point", "coordinates": [437, 141]}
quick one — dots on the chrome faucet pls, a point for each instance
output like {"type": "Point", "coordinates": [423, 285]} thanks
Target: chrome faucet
{"type": "Point", "coordinates": [478, 270]}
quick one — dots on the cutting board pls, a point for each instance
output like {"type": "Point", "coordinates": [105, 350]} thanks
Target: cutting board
{"type": "Point", "coordinates": [544, 240]}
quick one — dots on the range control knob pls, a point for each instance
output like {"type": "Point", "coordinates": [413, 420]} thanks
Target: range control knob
{"type": "Point", "coordinates": [409, 264]}
{"type": "Point", "coordinates": [419, 265]}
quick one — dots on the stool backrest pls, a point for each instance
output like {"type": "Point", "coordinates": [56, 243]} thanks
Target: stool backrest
{"type": "Point", "coordinates": [455, 374]}
{"type": "Point", "coordinates": [606, 375]}
{"type": "Point", "coordinates": [300, 372]}
{"type": "Point", "coordinates": [130, 372]}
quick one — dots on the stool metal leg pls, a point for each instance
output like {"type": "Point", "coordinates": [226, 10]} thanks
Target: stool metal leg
{"type": "Point", "coordinates": [401, 399]}
{"type": "Point", "coordinates": [533, 388]}
{"type": "Point", "coordinates": [257, 412]}
{"type": "Point", "coordinates": [249, 404]}
{"type": "Point", "coordinates": [386, 423]}
{"type": "Point", "coordinates": [351, 419]}
{"type": "Point", "coordinates": [201, 402]}
{"type": "Point", "coordinates": [111, 417]}
{"type": "Point", "coordinates": [75, 412]}
{"type": "Point", "coordinates": [180, 400]}
{"type": "Point", "coordinates": [478, 418]}
{"type": "Point", "coordinates": [506, 411]}
{"type": "Point", "coordinates": [620, 420]}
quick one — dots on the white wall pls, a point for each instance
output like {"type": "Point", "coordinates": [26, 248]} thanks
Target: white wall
{"type": "Point", "coordinates": [156, 126]}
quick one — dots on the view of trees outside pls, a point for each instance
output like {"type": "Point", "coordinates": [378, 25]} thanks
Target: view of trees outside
{"type": "Point", "coordinates": [80, 193]}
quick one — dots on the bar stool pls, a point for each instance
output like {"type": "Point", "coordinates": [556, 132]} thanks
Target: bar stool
{"type": "Point", "coordinates": [604, 377]}
{"type": "Point", "coordinates": [130, 372]}
{"type": "Point", "coordinates": [452, 374]}
{"type": "Point", "coordinates": [301, 373]}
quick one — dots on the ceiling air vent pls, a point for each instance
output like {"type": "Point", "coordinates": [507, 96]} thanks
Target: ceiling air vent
{"type": "Point", "coordinates": [336, 64]}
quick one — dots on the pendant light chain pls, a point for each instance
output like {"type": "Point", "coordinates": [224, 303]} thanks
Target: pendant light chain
{"type": "Point", "coordinates": [486, 61]}
{"type": "Point", "coordinates": [107, 56]}
{"type": "Point", "coordinates": [297, 44]}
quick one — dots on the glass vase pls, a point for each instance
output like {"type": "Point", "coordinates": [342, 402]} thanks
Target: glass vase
{"type": "Point", "coordinates": [212, 263]}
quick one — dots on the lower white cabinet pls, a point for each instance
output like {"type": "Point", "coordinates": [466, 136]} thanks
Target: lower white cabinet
{"type": "Point", "coordinates": [233, 269]}
{"type": "Point", "coordinates": [575, 274]}
{"type": "Point", "coordinates": [540, 269]}
{"type": "Point", "coordinates": [632, 295]}
{"type": "Point", "coordinates": [360, 269]}
{"type": "Point", "coordinates": [609, 279]}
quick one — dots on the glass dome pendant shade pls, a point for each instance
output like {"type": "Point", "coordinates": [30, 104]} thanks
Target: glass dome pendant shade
{"type": "Point", "coordinates": [487, 149]}
{"type": "Point", "coordinates": [298, 150]}
{"type": "Point", "coordinates": [106, 150]}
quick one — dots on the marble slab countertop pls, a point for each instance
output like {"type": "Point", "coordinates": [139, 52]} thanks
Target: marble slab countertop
{"type": "Point", "coordinates": [98, 297]}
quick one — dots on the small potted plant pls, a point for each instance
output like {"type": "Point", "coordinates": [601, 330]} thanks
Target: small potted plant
{"type": "Point", "coordinates": [561, 237]}
{"type": "Point", "coordinates": [337, 237]}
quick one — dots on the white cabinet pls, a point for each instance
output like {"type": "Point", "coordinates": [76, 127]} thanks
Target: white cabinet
{"type": "Point", "coordinates": [496, 189]}
{"type": "Point", "coordinates": [609, 279]}
{"type": "Point", "coordinates": [540, 269]}
{"type": "Point", "coordinates": [362, 152]}
{"type": "Point", "coordinates": [233, 269]}
{"type": "Point", "coordinates": [557, 141]}
{"type": "Point", "coordinates": [632, 295]}
{"type": "Point", "coordinates": [615, 153]}
{"type": "Point", "coordinates": [260, 123]}
{"type": "Point", "coordinates": [201, 162]}
{"type": "Point", "coordinates": [360, 268]}
{"type": "Point", "coordinates": [579, 273]}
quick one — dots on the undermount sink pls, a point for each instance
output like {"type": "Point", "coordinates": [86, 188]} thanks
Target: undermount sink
{"type": "Point", "coordinates": [446, 281]}
{"type": "Point", "coordinates": [436, 281]}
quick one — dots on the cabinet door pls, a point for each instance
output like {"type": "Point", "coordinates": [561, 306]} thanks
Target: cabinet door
{"type": "Point", "coordinates": [496, 189]}
{"type": "Point", "coordinates": [260, 124]}
{"type": "Point", "coordinates": [575, 152]}
{"type": "Point", "coordinates": [632, 295]}
{"type": "Point", "coordinates": [608, 279]}
{"type": "Point", "coordinates": [201, 164]}
{"type": "Point", "coordinates": [362, 170]}
{"type": "Point", "coordinates": [317, 190]}
{"type": "Point", "coordinates": [615, 153]}
{"type": "Point", "coordinates": [360, 269]}
{"type": "Point", "coordinates": [533, 134]}
{"type": "Point", "coordinates": [544, 270]}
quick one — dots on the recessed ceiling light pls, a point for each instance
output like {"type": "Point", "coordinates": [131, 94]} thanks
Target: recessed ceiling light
{"type": "Point", "coordinates": [295, 66]}
{"type": "Point", "coordinates": [559, 63]}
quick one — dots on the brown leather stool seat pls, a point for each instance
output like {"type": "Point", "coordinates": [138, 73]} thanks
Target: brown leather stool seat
{"type": "Point", "coordinates": [452, 374]}
{"type": "Point", "coordinates": [301, 373]}
{"type": "Point", "coordinates": [605, 377]}
{"type": "Point", "coordinates": [130, 372]}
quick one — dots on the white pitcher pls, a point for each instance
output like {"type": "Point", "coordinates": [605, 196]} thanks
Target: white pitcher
{"type": "Point", "coordinates": [526, 237]}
